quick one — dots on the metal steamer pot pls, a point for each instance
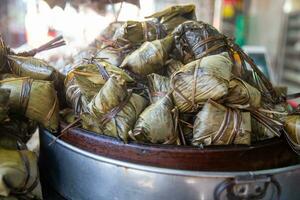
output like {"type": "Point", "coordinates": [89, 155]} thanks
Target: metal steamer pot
{"type": "Point", "coordinates": [82, 165]}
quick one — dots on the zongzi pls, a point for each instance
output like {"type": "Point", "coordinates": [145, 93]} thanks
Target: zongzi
{"type": "Point", "coordinates": [149, 58]}
{"type": "Point", "coordinates": [161, 24]}
{"type": "Point", "coordinates": [115, 109]}
{"type": "Point", "coordinates": [19, 174]}
{"type": "Point", "coordinates": [194, 40]}
{"type": "Point", "coordinates": [111, 55]}
{"type": "Point", "coordinates": [218, 125]}
{"type": "Point", "coordinates": [92, 76]}
{"type": "Point", "coordinates": [36, 99]}
{"type": "Point", "coordinates": [242, 95]}
{"type": "Point", "coordinates": [200, 80]}
{"type": "Point", "coordinates": [31, 67]}
{"type": "Point", "coordinates": [159, 86]}
{"type": "Point", "coordinates": [292, 127]}
{"type": "Point", "coordinates": [268, 122]}
{"type": "Point", "coordinates": [73, 95]}
{"type": "Point", "coordinates": [156, 124]}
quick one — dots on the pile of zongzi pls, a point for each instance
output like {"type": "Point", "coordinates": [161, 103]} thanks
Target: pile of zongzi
{"type": "Point", "coordinates": [28, 97]}
{"type": "Point", "coordinates": [177, 81]}
{"type": "Point", "coordinates": [169, 79]}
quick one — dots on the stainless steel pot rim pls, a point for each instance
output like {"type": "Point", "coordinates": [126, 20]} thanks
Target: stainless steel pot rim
{"type": "Point", "coordinates": [129, 166]}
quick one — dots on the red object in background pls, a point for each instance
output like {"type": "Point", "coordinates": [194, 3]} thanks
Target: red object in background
{"type": "Point", "coordinates": [230, 2]}
{"type": "Point", "coordinates": [52, 33]}
{"type": "Point", "coordinates": [294, 104]}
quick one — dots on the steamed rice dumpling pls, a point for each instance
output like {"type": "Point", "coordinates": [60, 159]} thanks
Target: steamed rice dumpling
{"type": "Point", "coordinates": [156, 124]}
{"type": "Point", "coordinates": [268, 122]}
{"type": "Point", "coordinates": [292, 127]}
{"type": "Point", "coordinates": [149, 58]}
{"type": "Point", "coordinates": [91, 77]}
{"type": "Point", "coordinates": [242, 95]}
{"type": "Point", "coordinates": [36, 99]}
{"type": "Point", "coordinates": [31, 67]}
{"type": "Point", "coordinates": [260, 131]}
{"type": "Point", "coordinates": [161, 24]}
{"type": "Point", "coordinates": [75, 99]}
{"type": "Point", "coordinates": [218, 125]}
{"type": "Point", "coordinates": [193, 40]}
{"type": "Point", "coordinates": [115, 109]}
{"type": "Point", "coordinates": [73, 95]}
{"type": "Point", "coordinates": [200, 80]}
{"type": "Point", "coordinates": [173, 66]}
{"type": "Point", "coordinates": [19, 174]}
{"type": "Point", "coordinates": [159, 86]}
{"type": "Point", "coordinates": [4, 98]}
{"type": "Point", "coordinates": [173, 16]}
{"type": "Point", "coordinates": [135, 32]}
{"type": "Point", "coordinates": [111, 55]}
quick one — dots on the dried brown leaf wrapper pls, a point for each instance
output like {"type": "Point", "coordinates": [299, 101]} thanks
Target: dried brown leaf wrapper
{"type": "Point", "coordinates": [161, 24]}
{"type": "Point", "coordinates": [159, 86]}
{"type": "Point", "coordinates": [36, 99]}
{"type": "Point", "coordinates": [19, 173]}
{"type": "Point", "coordinates": [148, 58]}
{"type": "Point", "coordinates": [114, 109]}
{"type": "Point", "coordinates": [156, 124]}
{"type": "Point", "coordinates": [218, 125]}
{"type": "Point", "coordinates": [200, 80]}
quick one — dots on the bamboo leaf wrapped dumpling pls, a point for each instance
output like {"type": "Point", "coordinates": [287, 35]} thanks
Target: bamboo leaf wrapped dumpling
{"type": "Point", "coordinates": [292, 127]}
{"type": "Point", "coordinates": [31, 67]}
{"type": "Point", "coordinates": [24, 64]}
{"type": "Point", "coordinates": [200, 80]}
{"type": "Point", "coordinates": [111, 55]}
{"type": "Point", "coordinates": [92, 76]}
{"type": "Point", "coordinates": [194, 40]}
{"type": "Point", "coordinates": [19, 174]}
{"type": "Point", "coordinates": [218, 125]}
{"type": "Point", "coordinates": [149, 58]}
{"type": "Point", "coordinates": [136, 32]}
{"type": "Point", "coordinates": [35, 99]}
{"type": "Point", "coordinates": [115, 109]}
{"type": "Point", "coordinates": [161, 24]}
{"type": "Point", "coordinates": [268, 122]}
{"type": "Point", "coordinates": [175, 15]}
{"type": "Point", "coordinates": [292, 131]}
{"type": "Point", "coordinates": [242, 95]}
{"type": "Point", "coordinates": [159, 86]}
{"type": "Point", "coordinates": [156, 124]}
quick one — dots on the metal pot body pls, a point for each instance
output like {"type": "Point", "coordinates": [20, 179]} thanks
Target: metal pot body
{"type": "Point", "coordinates": [77, 174]}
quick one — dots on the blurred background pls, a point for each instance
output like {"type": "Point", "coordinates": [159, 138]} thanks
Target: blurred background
{"type": "Point", "coordinates": [269, 30]}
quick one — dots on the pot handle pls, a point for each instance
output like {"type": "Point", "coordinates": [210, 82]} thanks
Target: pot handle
{"type": "Point", "coordinates": [247, 187]}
